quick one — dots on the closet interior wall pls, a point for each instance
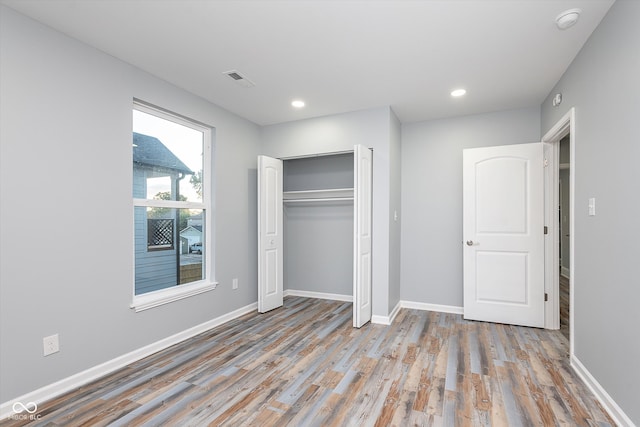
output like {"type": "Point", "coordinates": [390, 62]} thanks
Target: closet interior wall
{"type": "Point", "coordinates": [318, 233]}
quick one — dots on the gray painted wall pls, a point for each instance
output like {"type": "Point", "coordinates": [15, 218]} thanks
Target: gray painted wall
{"type": "Point", "coordinates": [65, 165]}
{"type": "Point", "coordinates": [602, 84]}
{"type": "Point", "coordinates": [395, 227]}
{"type": "Point", "coordinates": [318, 173]}
{"type": "Point", "coordinates": [341, 132]}
{"type": "Point", "coordinates": [318, 247]}
{"type": "Point", "coordinates": [432, 196]}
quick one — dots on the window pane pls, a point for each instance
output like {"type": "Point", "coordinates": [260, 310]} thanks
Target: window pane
{"type": "Point", "coordinates": [159, 187]}
{"type": "Point", "coordinates": [169, 247]}
{"type": "Point", "coordinates": [167, 159]}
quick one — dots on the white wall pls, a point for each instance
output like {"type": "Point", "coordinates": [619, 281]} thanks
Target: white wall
{"type": "Point", "coordinates": [432, 196]}
{"type": "Point", "coordinates": [66, 211]}
{"type": "Point", "coordinates": [602, 84]}
{"type": "Point", "coordinates": [341, 132]}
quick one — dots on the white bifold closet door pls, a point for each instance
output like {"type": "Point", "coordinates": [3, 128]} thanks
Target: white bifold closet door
{"type": "Point", "coordinates": [270, 237]}
{"type": "Point", "coordinates": [362, 204]}
{"type": "Point", "coordinates": [270, 246]}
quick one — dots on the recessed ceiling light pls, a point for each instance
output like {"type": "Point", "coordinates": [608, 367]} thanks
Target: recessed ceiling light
{"type": "Point", "coordinates": [458, 92]}
{"type": "Point", "coordinates": [568, 18]}
{"type": "Point", "coordinates": [297, 103]}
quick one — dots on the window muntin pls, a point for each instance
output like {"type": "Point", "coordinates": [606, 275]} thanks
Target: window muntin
{"type": "Point", "coordinates": [171, 204]}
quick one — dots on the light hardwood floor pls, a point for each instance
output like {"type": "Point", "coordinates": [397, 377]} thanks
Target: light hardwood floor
{"type": "Point", "coordinates": [304, 364]}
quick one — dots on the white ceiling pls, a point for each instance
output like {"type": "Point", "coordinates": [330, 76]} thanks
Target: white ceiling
{"type": "Point", "coordinates": [336, 55]}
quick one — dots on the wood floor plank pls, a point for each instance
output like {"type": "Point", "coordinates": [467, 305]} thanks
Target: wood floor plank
{"type": "Point", "coordinates": [305, 365]}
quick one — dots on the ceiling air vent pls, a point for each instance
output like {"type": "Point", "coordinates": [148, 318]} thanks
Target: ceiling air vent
{"type": "Point", "coordinates": [239, 78]}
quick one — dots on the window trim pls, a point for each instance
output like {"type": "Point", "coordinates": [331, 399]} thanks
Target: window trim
{"type": "Point", "coordinates": [174, 293]}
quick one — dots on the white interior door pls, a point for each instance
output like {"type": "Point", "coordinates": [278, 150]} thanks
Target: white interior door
{"type": "Point", "coordinates": [270, 243]}
{"type": "Point", "coordinates": [503, 223]}
{"type": "Point", "coordinates": [362, 235]}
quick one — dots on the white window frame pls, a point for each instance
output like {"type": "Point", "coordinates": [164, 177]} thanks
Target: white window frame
{"type": "Point", "coordinates": [174, 293]}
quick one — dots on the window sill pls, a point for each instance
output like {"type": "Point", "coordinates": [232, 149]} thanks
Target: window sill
{"type": "Point", "coordinates": [165, 296]}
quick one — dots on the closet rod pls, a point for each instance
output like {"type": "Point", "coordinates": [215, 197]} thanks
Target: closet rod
{"type": "Point", "coordinates": [322, 199]}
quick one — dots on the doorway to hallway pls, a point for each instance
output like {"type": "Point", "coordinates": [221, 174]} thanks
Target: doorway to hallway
{"type": "Point", "coordinates": [564, 240]}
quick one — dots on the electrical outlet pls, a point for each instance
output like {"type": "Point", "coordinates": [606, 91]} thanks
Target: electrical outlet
{"type": "Point", "coordinates": [235, 284]}
{"type": "Point", "coordinates": [51, 344]}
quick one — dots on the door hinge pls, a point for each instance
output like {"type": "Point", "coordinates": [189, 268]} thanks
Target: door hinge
{"type": "Point", "coordinates": [546, 162]}
{"type": "Point", "coordinates": [546, 297]}
{"type": "Point", "coordinates": [546, 230]}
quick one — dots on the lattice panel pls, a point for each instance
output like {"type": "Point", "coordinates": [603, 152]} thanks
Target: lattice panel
{"type": "Point", "coordinates": [160, 233]}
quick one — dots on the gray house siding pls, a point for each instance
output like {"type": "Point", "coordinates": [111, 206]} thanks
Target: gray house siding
{"type": "Point", "coordinates": [154, 270]}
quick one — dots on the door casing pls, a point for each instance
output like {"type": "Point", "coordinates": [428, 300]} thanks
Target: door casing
{"type": "Point", "coordinates": [566, 125]}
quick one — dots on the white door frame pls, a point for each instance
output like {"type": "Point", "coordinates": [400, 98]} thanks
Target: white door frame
{"type": "Point", "coordinates": [566, 125]}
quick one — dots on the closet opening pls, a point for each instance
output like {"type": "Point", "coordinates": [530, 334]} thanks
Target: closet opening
{"type": "Point", "coordinates": [315, 229]}
{"type": "Point", "coordinates": [318, 226]}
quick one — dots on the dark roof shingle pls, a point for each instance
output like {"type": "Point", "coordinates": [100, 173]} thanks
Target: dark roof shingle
{"type": "Point", "coordinates": [150, 151]}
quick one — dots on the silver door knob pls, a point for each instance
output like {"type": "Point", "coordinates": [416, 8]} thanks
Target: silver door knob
{"type": "Point", "coordinates": [469, 242]}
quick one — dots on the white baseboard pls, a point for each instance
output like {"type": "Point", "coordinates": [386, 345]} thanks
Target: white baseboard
{"type": "Point", "coordinates": [395, 312]}
{"type": "Point", "coordinates": [380, 320]}
{"type": "Point", "coordinates": [319, 295]}
{"type": "Point", "coordinates": [70, 383]}
{"type": "Point", "coordinates": [432, 307]}
{"type": "Point", "coordinates": [607, 401]}
{"type": "Point", "coordinates": [386, 320]}
{"type": "Point", "coordinates": [564, 272]}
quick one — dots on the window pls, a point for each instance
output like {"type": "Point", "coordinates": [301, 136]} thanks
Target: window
{"type": "Point", "coordinates": [171, 199]}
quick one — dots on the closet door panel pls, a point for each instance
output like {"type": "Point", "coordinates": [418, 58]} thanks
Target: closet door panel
{"type": "Point", "coordinates": [270, 242]}
{"type": "Point", "coordinates": [363, 172]}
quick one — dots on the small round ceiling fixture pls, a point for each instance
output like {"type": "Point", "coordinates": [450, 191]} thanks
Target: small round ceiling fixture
{"type": "Point", "coordinates": [568, 18]}
{"type": "Point", "coordinates": [297, 103]}
{"type": "Point", "coordinates": [458, 93]}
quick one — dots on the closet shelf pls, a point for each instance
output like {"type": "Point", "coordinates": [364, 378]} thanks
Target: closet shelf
{"type": "Point", "coordinates": [329, 195]}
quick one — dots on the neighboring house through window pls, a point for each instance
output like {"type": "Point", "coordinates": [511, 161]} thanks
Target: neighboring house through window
{"type": "Point", "coordinates": [171, 199]}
